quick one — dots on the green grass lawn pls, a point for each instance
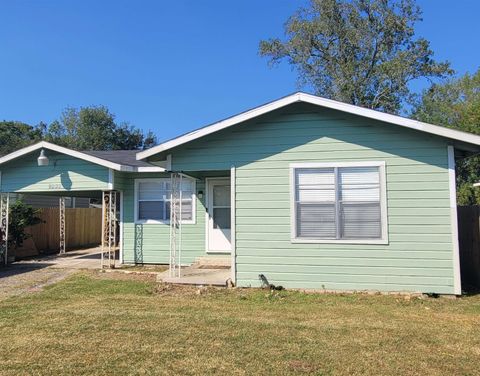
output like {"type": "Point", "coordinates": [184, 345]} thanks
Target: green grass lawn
{"type": "Point", "coordinates": [97, 324]}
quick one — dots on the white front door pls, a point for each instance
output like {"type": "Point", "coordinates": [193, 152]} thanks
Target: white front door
{"type": "Point", "coordinates": [218, 225]}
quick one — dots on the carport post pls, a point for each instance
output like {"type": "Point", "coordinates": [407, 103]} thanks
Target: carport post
{"type": "Point", "coordinates": [4, 209]}
{"type": "Point", "coordinates": [61, 210]}
{"type": "Point", "coordinates": [109, 226]}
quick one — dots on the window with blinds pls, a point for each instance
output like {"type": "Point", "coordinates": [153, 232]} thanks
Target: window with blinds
{"type": "Point", "coordinates": [338, 203]}
{"type": "Point", "coordinates": [153, 198]}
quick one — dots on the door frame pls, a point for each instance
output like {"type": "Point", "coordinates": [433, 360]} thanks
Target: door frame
{"type": "Point", "coordinates": [207, 206]}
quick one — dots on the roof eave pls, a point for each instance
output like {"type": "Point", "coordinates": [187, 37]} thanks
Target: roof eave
{"type": "Point", "coordinates": [64, 150]}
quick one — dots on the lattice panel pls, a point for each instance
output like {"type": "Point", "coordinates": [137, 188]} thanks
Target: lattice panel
{"type": "Point", "coordinates": [109, 228]}
{"type": "Point", "coordinates": [4, 208]}
{"type": "Point", "coordinates": [61, 206]}
{"type": "Point", "coordinates": [175, 225]}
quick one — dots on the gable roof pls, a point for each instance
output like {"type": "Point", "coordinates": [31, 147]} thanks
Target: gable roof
{"type": "Point", "coordinates": [319, 101]}
{"type": "Point", "coordinates": [121, 160]}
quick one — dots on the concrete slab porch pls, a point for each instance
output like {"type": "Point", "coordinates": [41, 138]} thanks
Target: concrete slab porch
{"type": "Point", "coordinates": [199, 276]}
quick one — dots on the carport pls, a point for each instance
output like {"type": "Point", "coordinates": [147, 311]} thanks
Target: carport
{"type": "Point", "coordinates": [49, 169]}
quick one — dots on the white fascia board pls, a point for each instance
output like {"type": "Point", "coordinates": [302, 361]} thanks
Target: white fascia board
{"type": "Point", "coordinates": [150, 169]}
{"type": "Point", "coordinates": [66, 151]}
{"type": "Point", "coordinates": [393, 119]}
{"type": "Point", "coordinates": [323, 102]}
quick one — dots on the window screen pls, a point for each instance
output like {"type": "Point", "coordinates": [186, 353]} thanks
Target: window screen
{"type": "Point", "coordinates": [153, 199]}
{"type": "Point", "coordinates": [338, 203]}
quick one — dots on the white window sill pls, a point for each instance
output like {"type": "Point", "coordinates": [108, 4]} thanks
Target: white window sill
{"type": "Point", "coordinates": [339, 241]}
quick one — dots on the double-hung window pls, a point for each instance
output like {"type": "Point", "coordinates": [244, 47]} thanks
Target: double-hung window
{"type": "Point", "coordinates": [153, 196]}
{"type": "Point", "coordinates": [342, 202]}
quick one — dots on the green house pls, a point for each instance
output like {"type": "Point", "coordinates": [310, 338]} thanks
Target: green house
{"type": "Point", "coordinates": [308, 192]}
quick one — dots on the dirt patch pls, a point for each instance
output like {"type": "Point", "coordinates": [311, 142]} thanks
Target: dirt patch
{"type": "Point", "coordinates": [122, 276]}
{"type": "Point", "coordinates": [21, 280]}
{"type": "Point", "coordinates": [302, 366]}
{"type": "Point", "coordinates": [213, 267]}
{"type": "Point", "coordinates": [143, 268]}
{"type": "Point", "coordinates": [167, 289]}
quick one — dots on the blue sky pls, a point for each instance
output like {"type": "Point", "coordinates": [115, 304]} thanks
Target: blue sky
{"type": "Point", "coordinates": [170, 66]}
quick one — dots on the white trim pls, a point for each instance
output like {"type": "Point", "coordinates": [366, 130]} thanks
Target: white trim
{"type": "Point", "coordinates": [233, 238]}
{"type": "Point", "coordinates": [150, 169]}
{"type": "Point", "coordinates": [79, 155]}
{"type": "Point", "coordinates": [120, 240]}
{"type": "Point", "coordinates": [207, 214]}
{"type": "Point", "coordinates": [383, 202]}
{"type": "Point", "coordinates": [111, 179]}
{"type": "Point", "coordinates": [338, 164]}
{"type": "Point", "coordinates": [63, 150]}
{"type": "Point", "coordinates": [457, 284]}
{"type": "Point", "coordinates": [163, 222]}
{"type": "Point", "coordinates": [315, 100]}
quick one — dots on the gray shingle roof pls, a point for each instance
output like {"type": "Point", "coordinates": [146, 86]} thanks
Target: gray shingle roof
{"type": "Point", "coordinates": [123, 157]}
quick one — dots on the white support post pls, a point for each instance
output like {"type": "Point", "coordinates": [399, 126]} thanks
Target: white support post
{"type": "Point", "coordinates": [233, 217]}
{"type": "Point", "coordinates": [61, 210]}
{"type": "Point", "coordinates": [4, 209]}
{"type": "Point", "coordinates": [457, 284]}
{"type": "Point", "coordinates": [175, 225]}
{"type": "Point", "coordinates": [171, 259]}
{"type": "Point", "coordinates": [179, 259]}
{"type": "Point", "coordinates": [120, 240]}
{"type": "Point", "coordinates": [109, 227]}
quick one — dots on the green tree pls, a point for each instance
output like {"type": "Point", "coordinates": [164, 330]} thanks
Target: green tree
{"type": "Point", "coordinates": [15, 135]}
{"type": "Point", "coordinates": [94, 128]}
{"type": "Point", "coordinates": [456, 104]}
{"type": "Point", "coordinates": [362, 52]}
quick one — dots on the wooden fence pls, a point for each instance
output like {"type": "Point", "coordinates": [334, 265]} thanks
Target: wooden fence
{"type": "Point", "coordinates": [83, 228]}
{"type": "Point", "coordinates": [469, 239]}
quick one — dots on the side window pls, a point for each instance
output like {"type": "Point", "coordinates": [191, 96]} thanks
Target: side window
{"type": "Point", "coordinates": [338, 203]}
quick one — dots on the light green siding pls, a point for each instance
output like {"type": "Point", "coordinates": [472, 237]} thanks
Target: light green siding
{"type": "Point", "coordinates": [419, 256]}
{"type": "Point", "coordinates": [150, 243]}
{"type": "Point", "coordinates": [64, 173]}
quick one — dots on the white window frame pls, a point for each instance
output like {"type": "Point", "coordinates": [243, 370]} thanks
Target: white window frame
{"type": "Point", "coordinates": [383, 202]}
{"type": "Point", "coordinates": [166, 222]}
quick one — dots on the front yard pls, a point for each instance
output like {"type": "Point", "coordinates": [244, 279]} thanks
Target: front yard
{"type": "Point", "coordinates": [111, 324]}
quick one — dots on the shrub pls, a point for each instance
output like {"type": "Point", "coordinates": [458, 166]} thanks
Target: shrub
{"type": "Point", "coordinates": [21, 216]}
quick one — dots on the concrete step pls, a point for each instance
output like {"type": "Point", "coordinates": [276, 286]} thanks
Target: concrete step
{"type": "Point", "coordinates": [213, 261]}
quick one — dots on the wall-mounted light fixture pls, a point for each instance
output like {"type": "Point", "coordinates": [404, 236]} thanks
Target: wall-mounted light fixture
{"type": "Point", "coordinates": [42, 159]}
{"type": "Point", "coordinates": [200, 194]}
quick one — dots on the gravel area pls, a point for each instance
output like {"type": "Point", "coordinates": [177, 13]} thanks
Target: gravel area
{"type": "Point", "coordinates": [22, 279]}
{"type": "Point", "coordinates": [32, 275]}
